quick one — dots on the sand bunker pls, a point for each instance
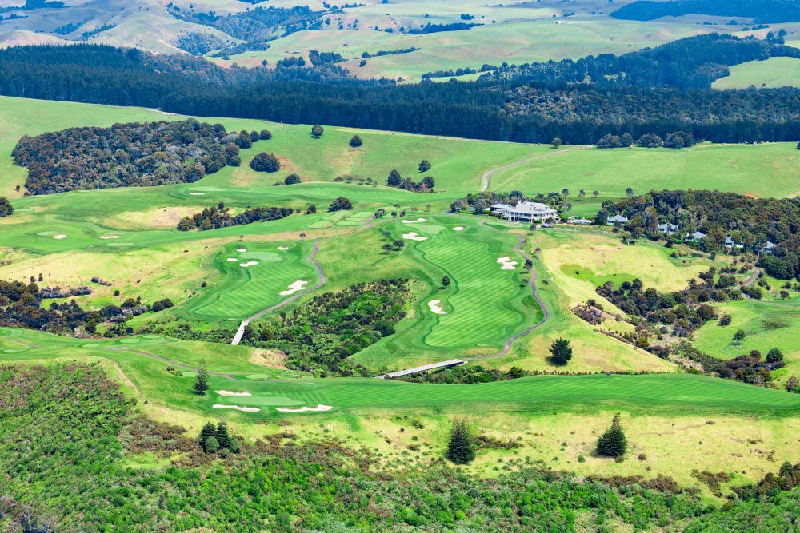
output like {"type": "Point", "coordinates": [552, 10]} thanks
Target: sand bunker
{"type": "Point", "coordinates": [109, 236]}
{"type": "Point", "coordinates": [250, 264]}
{"type": "Point", "coordinates": [506, 263]}
{"type": "Point", "coordinates": [436, 307]}
{"type": "Point", "coordinates": [294, 287]}
{"type": "Point", "coordinates": [414, 221]}
{"type": "Point", "coordinates": [197, 193]}
{"type": "Point", "coordinates": [414, 237]}
{"type": "Point", "coordinates": [458, 228]}
{"type": "Point", "coordinates": [231, 259]}
{"type": "Point", "coordinates": [242, 409]}
{"type": "Point", "coordinates": [318, 409]}
{"type": "Point", "coordinates": [60, 236]}
{"type": "Point", "coordinates": [229, 393]}
{"type": "Point", "coordinates": [282, 248]}
{"type": "Point", "coordinates": [241, 250]}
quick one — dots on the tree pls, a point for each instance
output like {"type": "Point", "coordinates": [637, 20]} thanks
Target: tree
{"type": "Point", "coordinates": [424, 165]}
{"type": "Point", "coordinates": [627, 140]}
{"type": "Point", "coordinates": [387, 248]}
{"type": "Point", "coordinates": [565, 192]}
{"type": "Point", "coordinates": [394, 178]}
{"type": "Point", "coordinates": [461, 448]}
{"type": "Point", "coordinates": [341, 203]}
{"type": "Point", "coordinates": [792, 384]}
{"type": "Point", "coordinates": [628, 192]}
{"type": "Point", "coordinates": [613, 442]}
{"type": "Point", "coordinates": [581, 193]}
{"type": "Point", "coordinates": [596, 193]}
{"type": "Point", "coordinates": [292, 179]}
{"type": "Point", "coordinates": [399, 244]}
{"type": "Point", "coordinates": [355, 141]}
{"type": "Point", "coordinates": [223, 438]}
{"type": "Point", "coordinates": [774, 356]}
{"type": "Point", "coordinates": [557, 143]}
{"type": "Point", "coordinates": [739, 335]}
{"type": "Point", "coordinates": [561, 351]}
{"type": "Point", "coordinates": [265, 162]}
{"type": "Point", "coordinates": [6, 209]}
{"type": "Point", "coordinates": [311, 209]}
{"type": "Point", "coordinates": [207, 432]}
{"type": "Point", "coordinates": [201, 381]}
{"type": "Point", "coordinates": [427, 183]}
{"type": "Point", "coordinates": [317, 131]}
{"type": "Point", "coordinates": [445, 281]}
{"type": "Point", "coordinates": [265, 135]}
{"type": "Point", "coordinates": [212, 445]}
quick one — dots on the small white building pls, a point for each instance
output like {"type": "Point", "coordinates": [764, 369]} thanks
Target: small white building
{"type": "Point", "coordinates": [667, 229]}
{"type": "Point", "coordinates": [616, 219]}
{"type": "Point", "coordinates": [694, 237]}
{"type": "Point", "coordinates": [524, 211]}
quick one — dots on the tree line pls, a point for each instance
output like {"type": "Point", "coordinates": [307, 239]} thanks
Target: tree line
{"type": "Point", "coordinates": [219, 216]}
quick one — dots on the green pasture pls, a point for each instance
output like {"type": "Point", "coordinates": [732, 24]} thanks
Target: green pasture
{"type": "Point", "coordinates": [773, 72]}
{"type": "Point", "coordinates": [244, 290]}
{"type": "Point", "coordinates": [763, 170]}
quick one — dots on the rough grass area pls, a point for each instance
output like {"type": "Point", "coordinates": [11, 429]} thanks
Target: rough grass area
{"type": "Point", "coordinates": [773, 72]}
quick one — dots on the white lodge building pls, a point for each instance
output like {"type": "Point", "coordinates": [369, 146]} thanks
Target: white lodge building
{"type": "Point", "coordinates": [524, 211]}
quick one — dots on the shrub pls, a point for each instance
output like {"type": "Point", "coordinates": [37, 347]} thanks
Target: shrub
{"type": "Point", "coordinates": [265, 162]}
{"type": "Point", "coordinates": [317, 131]}
{"type": "Point", "coordinates": [6, 209]}
{"type": "Point", "coordinates": [424, 165]}
{"type": "Point", "coordinates": [292, 179]}
{"type": "Point", "coordinates": [341, 203]}
{"type": "Point", "coordinates": [265, 135]}
{"type": "Point", "coordinates": [355, 141]}
{"type": "Point", "coordinates": [774, 356]}
{"type": "Point", "coordinates": [212, 445]}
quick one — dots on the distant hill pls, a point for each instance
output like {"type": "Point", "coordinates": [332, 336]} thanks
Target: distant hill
{"type": "Point", "coordinates": [762, 11]}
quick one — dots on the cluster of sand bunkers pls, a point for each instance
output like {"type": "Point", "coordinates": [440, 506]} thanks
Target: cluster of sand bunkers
{"type": "Point", "coordinates": [318, 409]}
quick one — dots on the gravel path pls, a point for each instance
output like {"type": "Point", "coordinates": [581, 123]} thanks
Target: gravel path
{"type": "Point", "coordinates": [322, 279]}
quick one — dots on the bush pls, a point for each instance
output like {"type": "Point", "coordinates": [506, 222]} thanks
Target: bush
{"type": "Point", "coordinates": [6, 209]}
{"type": "Point", "coordinates": [211, 445]}
{"type": "Point", "coordinates": [774, 356]}
{"type": "Point", "coordinates": [265, 162]}
{"type": "Point", "coordinates": [341, 203]}
{"type": "Point", "coordinates": [613, 442]}
{"type": "Point", "coordinates": [355, 141]}
{"type": "Point", "coordinates": [317, 131]}
{"type": "Point", "coordinates": [725, 320]}
{"type": "Point", "coordinates": [265, 135]}
{"type": "Point", "coordinates": [292, 179]}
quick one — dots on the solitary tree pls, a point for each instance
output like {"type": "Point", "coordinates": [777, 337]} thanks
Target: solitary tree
{"type": "Point", "coordinates": [581, 193]}
{"type": "Point", "coordinates": [565, 192]}
{"type": "Point", "coordinates": [557, 143]}
{"type": "Point", "coordinates": [201, 382]}
{"type": "Point", "coordinates": [596, 193]}
{"type": "Point", "coordinates": [355, 141]}
{"type": "Point", "coordinates": [628, 192]}
{"type": "Point", "coordinates": [292, 179]}
{"type": "Point", "coordinates": [461, 448]}
{"type": "Point", "coordinates": [739, 335]}
{"type": "Point", "coordinates": [387, 247]}
{"type": "Point", "coordinates": [561, 351]}
{"type": "Point", "coordinates": [394, 178]}
{"type": "Point", "coordinates": [445, 281]}
{"type": "Point", "coordinates": [311, 209]}
{"type": "Point", "coordinates": [424, 165]}
{"type": "Point", "coordinates": [265, 135]}
{"type": "Point", "coordinates": [613, 442]}
{"type": "Point", "coordinates": [317, 131]}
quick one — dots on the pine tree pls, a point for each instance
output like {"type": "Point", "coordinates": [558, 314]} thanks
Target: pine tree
{"type": "Point", "coordinates": [613, 443]}
{"type": "Point", "coordinates": [394, 178]}
{"type": "Point", "coordinates": [561, 351]}
{"type": "Point", "coordinates": [461, 449]}
{"type": "Point", "coordinates": [355, 141]}
{"type": "Point", "coordinates": [445, 281]}
{"type": "Point", "coordinates": [424, 165]}
{"type": "Point", "coordinates": [201, 382]}
{"type": "Point", "coordinates": [212, 445]}
{"type": "Point", "coordinates": [207, 432]}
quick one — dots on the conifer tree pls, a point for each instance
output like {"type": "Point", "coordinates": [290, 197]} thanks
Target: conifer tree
{"type": "Point", "coordinates": [561, 351]}
{"type": "Point", "coordinates": [223, 438]}
{"type": "Point", "coordinates": [613, 442]}
{"type": "Point", "coordinates": [461, 449]}
{"type": "Point", "coordinates": [207, 432]}
{"type": "Point", "coordinates": [201, 382]}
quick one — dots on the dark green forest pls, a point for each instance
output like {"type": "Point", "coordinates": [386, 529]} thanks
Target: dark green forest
{"type": "Point", "coordinates": [762, 11]}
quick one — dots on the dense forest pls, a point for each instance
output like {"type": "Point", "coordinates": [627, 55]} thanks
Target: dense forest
{"type": "Point", "coordinates": [749, 222]}
{"type": "Point", "coordinates": [762, 11]}
{"type": "Point", "coordinates": [690, 63]}
{"type": "Point", "coordinates": [124, 155]}
{"type": "Point", "coordinates": [277, 484]}
{"type": "Point", "coordinates": [219, 216]}
{"type": "Point", "coordinates": [493, 110]}
{"type": "Point", "coordinates": [321, 334]}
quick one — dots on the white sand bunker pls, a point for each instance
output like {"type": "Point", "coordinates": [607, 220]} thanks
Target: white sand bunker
{"type": "Point", "coordinates": [458, 228]}
{"type": "Point", "coordinates": [414, 221]}
{"type": "Point", "coordinates": [241, 250]}
{"type": "Point", "coordinates": [229, 393]}
{"type": "Point", "coordinates": [250, 264]}
{"type": "Point", "coordinates": [242, 409]}
{"type": "Point", "coordinates": [294, 287]}
{"type": "Point", "coordinates": [436, 307]}
{"type": "Point", "coordinates": [109, 236]}
{"type": "Point", "coordinates": [318, 409]}
{"type": "Point", "coordinates": [414, 237]}
{"type": "Point", "coordinates": [197, 193]}
{"type": "Point", "coordinates": [60, 236]}
{"type": "Point", "coordinates": [506, 263]}
{"type": "Point", "coordinates": [283, 248]}
{"type": "Point", "coordinates": [231, 259]}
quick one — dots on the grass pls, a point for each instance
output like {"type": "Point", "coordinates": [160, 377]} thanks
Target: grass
{"type": "Point", "coordinates": [773, 72]}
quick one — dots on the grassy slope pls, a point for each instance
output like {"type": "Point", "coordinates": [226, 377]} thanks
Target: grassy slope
{"type": "Point", "coordinates": [774, 72]}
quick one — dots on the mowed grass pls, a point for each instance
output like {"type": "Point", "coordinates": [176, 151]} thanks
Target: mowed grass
{"type": "Point", "coordinates": [245, 290]}
{"type": "Point", "coordinates": [767, 170]}
{"type": "Point", "coordinates": [773, 72]}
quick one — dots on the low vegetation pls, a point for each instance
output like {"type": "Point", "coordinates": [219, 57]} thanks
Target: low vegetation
{"type": "Point", "coordinates": [219, 216]}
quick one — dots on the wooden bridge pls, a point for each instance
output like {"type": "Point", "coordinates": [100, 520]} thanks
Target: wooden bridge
{"type": "Point", "coordinates": [425, 368]}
